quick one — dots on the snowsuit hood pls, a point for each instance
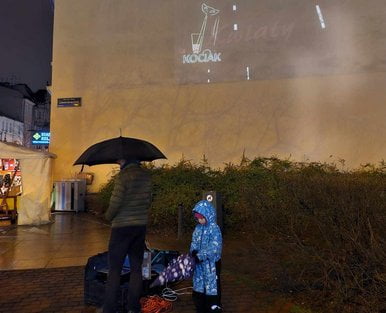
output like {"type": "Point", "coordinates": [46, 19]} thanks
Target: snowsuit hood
{"type": "Point", "coordinates": [206, 209]}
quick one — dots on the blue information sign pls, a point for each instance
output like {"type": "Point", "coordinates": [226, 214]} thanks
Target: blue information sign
{"type": "Point", "coordinates": [41, 138]}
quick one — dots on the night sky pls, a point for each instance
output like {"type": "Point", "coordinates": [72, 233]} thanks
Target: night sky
{"type": "Point", "coordinates": [26, 42]}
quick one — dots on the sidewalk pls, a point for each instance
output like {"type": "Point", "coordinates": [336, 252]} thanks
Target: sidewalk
{"type": "Point", "coordinates": [42, 269]}
{"type": "Point", "coordinates": [69, 241]}
{"type": "Point", "coordinates": [57, 290]}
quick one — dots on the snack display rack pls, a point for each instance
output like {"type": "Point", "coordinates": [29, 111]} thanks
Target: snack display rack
{"type": "Point", "coordinates": [10, 189]}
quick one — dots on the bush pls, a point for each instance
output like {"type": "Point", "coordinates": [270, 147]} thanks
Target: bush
{"type": "Point", "coordinates": [105, 192]}
{"type": "Point", "coordinates": [330, 228]}
{"type": "Point", "coordinates": [326, 226]}
{"type": "Point", "coordinates": [174, 186]}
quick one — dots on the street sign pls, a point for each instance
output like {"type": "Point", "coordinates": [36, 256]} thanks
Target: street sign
{"type": "Point", "coordinates": [69, 102]}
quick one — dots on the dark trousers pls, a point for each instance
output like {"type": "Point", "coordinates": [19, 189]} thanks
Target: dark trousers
{"type": "Point", "coordinates": [129, 240]}
{"type": "Point", "coordinates": [203, 302]}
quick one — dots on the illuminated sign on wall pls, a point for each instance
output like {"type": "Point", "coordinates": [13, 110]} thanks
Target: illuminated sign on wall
{"type": "Point", "coordinates": [69, 102]}
{"type": "Point", "coordinates": [41, 138]}
{"type": "Point", "coordinates": [204, 42]}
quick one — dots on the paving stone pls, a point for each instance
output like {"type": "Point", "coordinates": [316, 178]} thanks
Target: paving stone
{"type": "Point", "coordinates": [60, 290]}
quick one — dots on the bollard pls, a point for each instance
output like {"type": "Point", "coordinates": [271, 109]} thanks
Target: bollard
{"type": "Point", "coordinates": [215, 199]}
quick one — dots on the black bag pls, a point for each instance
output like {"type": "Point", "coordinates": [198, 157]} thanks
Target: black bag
{"type": "Point", "coordinates": [94, 287]}
{"type": "Point", "coordinates": [95, 277]}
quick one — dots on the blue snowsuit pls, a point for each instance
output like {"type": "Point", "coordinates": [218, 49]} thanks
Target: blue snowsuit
{"type": "Point", "coordinates": [207, 240]}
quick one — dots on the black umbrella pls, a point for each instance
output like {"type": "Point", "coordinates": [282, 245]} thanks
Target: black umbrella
{"type": "Point", "coordinates": [112, 150]}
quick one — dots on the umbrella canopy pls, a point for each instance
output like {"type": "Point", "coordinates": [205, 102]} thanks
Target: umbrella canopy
{"type": "Point", "coordinates": [178, 269]}
{"type": "Point", "coordinates": [112, 150]}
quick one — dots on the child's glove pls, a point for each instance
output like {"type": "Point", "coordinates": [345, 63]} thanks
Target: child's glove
{"type": "Point", "coordinates": [194, 254]}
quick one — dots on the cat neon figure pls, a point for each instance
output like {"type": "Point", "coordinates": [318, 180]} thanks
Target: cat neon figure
{"type": "Point", "coordinates": [198, 38]}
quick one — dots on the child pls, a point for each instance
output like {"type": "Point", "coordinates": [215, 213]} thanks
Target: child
{"type": "Point", "coordinates": [206, 249]}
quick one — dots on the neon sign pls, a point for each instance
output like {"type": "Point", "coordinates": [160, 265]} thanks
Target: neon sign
{"type": "Point", "coordinates": [41, 138]}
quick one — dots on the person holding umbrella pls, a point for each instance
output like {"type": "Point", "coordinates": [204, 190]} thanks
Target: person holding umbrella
{"type": "Point", "coordinates": [206, 248]}
{"type": "Point", "coordinates": [127, 212]}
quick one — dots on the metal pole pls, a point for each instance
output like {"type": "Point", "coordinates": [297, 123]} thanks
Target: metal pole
{"type": "Point", "coordinates": [179, 231]}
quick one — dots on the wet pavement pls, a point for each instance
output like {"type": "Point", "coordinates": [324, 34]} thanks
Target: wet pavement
{"type": "Point", "coordinates": [42, 268]}
{"type": "Point", "coordinates": [69, 241]}
{"type": "Point", "coordinates": [54, 290]}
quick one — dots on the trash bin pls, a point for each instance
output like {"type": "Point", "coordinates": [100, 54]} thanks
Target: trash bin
{"type": "Point", "coordinates": [70, 195]}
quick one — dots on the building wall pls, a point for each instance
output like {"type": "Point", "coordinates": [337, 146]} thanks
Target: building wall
{"type": "Point", "coordinates": [120, 58]}
{"type": "Point", "coordinates": [11, 103]}
{"type": "Point", "coordinates": [11, 130]}
{"type": "Point", "coordinates": [28, 106]}
{"type": "Point", "coordinates": [14, 106]}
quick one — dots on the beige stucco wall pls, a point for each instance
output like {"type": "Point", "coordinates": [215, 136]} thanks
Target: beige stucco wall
{"type": "Point", "coordinates": [119, 58]}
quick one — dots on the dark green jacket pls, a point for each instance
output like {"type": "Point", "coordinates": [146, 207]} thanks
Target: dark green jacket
{"type": "Point", "coordinates": [131, 197]}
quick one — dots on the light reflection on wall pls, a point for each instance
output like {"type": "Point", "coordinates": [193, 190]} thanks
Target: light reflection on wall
{"type": "Point", "coordinates": [277, 39]}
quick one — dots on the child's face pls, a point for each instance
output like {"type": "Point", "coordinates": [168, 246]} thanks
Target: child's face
{"type": "Point", "coordinates": [202, 221]}
{"type": "Point", "coordinates": [200, 218]}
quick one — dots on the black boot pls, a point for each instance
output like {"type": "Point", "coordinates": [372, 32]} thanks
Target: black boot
{"type": "Point", "coordinates": [199, 300]}
{"type": "Point", "coordinates": [213, 304]}
{"type": "Point", "coordinates": [215, 309]}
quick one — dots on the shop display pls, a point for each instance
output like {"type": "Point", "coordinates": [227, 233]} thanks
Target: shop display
{"type": "Point", "coordinates": [7, 172]}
